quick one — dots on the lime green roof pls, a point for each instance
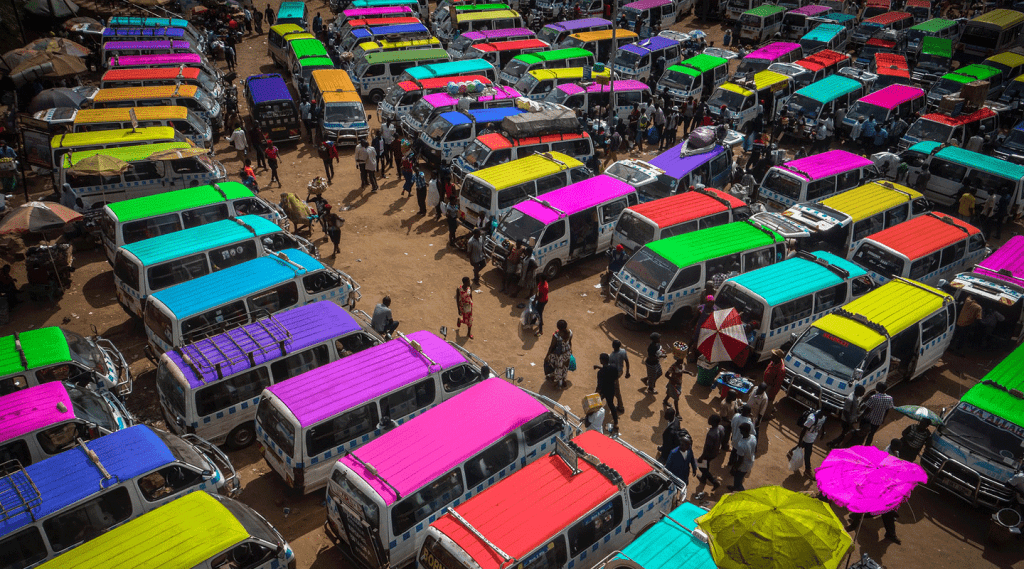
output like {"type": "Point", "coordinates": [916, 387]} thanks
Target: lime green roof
{"type": "Point", "coordinates": [934, 25]}
{"type": "Point", "coordinates": [482, 7]}
{"type": "Point", "coordinates": [126, 153]}
{"type": "Point", "coordinates": [179, 535]}
{"type": "Point", "coordinates": [766, 10]}
{"type": "Point", "coordinates": [689, 248]}
{"type": "Point", "coordinates": [177, 200]}
{"type": "Point", "coordinates": [973, 72]}
{"type": "Point", "coordinates": [316, 62]}
{"type": "Point", "coordinates": [43, 347]}
{"type": "Point", "coordinates": [309, 47]}
{"type": "Point", "coordinates": [554, 55]}
{"type": "Point", "coordinates": [699, 64]}
{"type": "Point", "coordinates": [995, 397]}
{"type": "Point", "coordinates": [940, 47]}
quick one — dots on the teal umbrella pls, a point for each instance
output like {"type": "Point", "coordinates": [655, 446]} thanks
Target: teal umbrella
{"type": "Point", "coordinates": [918, 412]}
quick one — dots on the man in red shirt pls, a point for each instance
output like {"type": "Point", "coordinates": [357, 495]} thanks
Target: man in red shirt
{"type": "Point", "coordinates": [541, 301]}
{"type": "Point", "coordinates": [774, 373]}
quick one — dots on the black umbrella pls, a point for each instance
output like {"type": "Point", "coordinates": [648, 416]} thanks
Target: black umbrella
{"type": "Point", "coordinates": [58, 97]}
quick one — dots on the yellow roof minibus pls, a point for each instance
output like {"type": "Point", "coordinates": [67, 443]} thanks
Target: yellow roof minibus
{"type": "Point", "coordinates": [341, 112]}
{"type": "Point", "coordinates": [63, 144]}
{"type": "Point", "coordinates": [189, 96]}
{"type": "Point", "coordinates": [179, 118]}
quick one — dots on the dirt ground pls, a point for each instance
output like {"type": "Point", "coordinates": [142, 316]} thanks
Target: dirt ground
{"type": "Point", "coordinates": [391, 250]}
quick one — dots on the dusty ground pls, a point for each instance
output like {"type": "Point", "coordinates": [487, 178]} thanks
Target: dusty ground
{"type": "Point", "coordinates": [391, 250]}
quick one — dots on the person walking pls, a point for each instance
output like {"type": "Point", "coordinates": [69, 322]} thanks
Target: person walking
{"type": "Point", "coordinates": [653, 363]}
{"type": "Point", "coordinates": [681, 462]}
{"type": "Point", "coordinates": [740, 418]}
{"type": "Point", "coordinates": [269, 13]}
{"type": "Point", "coordinates": [620, 359]}
{"type": "Point", "coordinates": [371, 167]}
{"type": "Point", "coordinates": [849, 416]}
{"type": "Point", "coordinates": [272, 157]}
{"type": "Point", "coordinates": [674, 389]}
{"type": "Point", "coordinates": [712, 446]}
{"type": "Point", "coordinates": [451, 212]}
{"type": "Point", "coordinates": [229, 56]}
{"type": "Point", "coordinates": [607, 376]}
{"type": "Point", "coordinates": [329, 155]}
{"type": "Point", "coordinates": [434, 198]}
{"type": "Point", "coordinates": [420, 179]}
{"type": "Point", "coordinates": [758, 402]}
{"type": "Point", "coordinates": [811, 429]}
{"type": "Point", "coordinates": [360, 156]}
{"type": "Point", "coordinates": [382, 322]}
{"type": "Point", "coordinates": [875, 409]}
{"type": "Point", "coordinates": [745, 447]}
{"type": "Point", "coordinates": [464, 303]}
{"type": "Point", "coordinates": [382, 153]}
{"type": "Point", "coordinates": [659, 121]}
{"type": "Point", "coordinates": [477, 257]}
{"type": "Point", "coordinates": [774, 374]}
{"type": "Point", "coordinates": [333, 225]}
{"type": "Point", "coordinates": [540, 302]}
{"type": "Point", "coordinates": [257, 20]}
{"type": "Point", "coordinates": [671, 129]}
{"type": "Point", "coordinates": [407, 174]}
{"type": "Point", "coordinates": [258, 142]}
{"type": "Point", "coordinates": [966, 322]}
{"type": "Point", "coordinates": [612, 154]}
{"type": "Point", "coordinates": [559, 353]}
{"type": "Point", "coordinates": [240, 142]}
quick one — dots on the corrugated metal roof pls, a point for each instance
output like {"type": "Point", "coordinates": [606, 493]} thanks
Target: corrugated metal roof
{"type": "Point", "coordinates": [125, 454]}
{"type": "Point", "coordinates": [420, 451]}
{"type": "Point", "coordinates": [154, 73]}
{"type": "Point", "coordinates": [685, 206]}
{"type": "Point", "coordinates": [818, 166]}
{"type": "Point", "coordinates": [126, 153]}
{"type": "Point", "coordinates": [690, 248]}
{"type": "Point", "coordinates": [325, 391]}
{"type": "Point", "coordinates": [670, 543]}
{"type": "Point", "coordinates": [924, 234]}
{"type": "Point", "coordinates": [525, 169]}
{"type": "Point", "coordinates": [122, 136]}
{"type": "Point", "coordinates": [796, 277]}
{"type": "Point", "coordinates": [268, 87]}
{"type": "Point", "coordinates": [1008, 374]}
{"type": "Point", "coordinates": [1008, 258]}
{"type": "Point", "coordinates": [896, 305]}
{"type": "Point", "coordinates": [32, 408]}
{"type": "Point", "coordinates": [575, 197]}
{"type": "Point", "coordinates": [151, 92]}
{"type": "Point", "coordinates": [195, 239]}
{"type": "Point", "coordinates": [298, 328]}
{"type": "Point", "coordinates": [528, 508]}
{"type": "Point", "coordinates": [829, 88]}
{"type": "Point", "coordinates": [407, 55]}
{"type": "Point", "coordinates": [554, 55]}
{"type": "Point", "coordinates": [963, 157]}
{"type": "Point", "coordinates": [209, 291]}
{"type": "Point", "coordinates": [870, 199]}
{"type": "Point", "coordinates": [183, 533]}
{"type": "Point", "coordinates": [177, 200]}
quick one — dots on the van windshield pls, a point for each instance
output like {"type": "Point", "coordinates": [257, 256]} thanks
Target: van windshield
{"type": "Point", "coordinates": [874, 258]}
{"type": "Point", "coordinates": [548, 35]}
{"type": "Point", "coordinates": [1015, 140]}
{"type": "Point", "coordinates": [83, 351]}
{"type": "Point", "coordinates": [730, 296]}
{"type": "Point", "coordinates": [91, 407]}
{"type": "Point", "coordinates": [184, 451]}
{"type": "Point", "coordinates": [628, 58]}
{"type": "Point", "coordinates": [345, 113]}
{"type": "Point", "coordinates": [420, 112]}
{"type": "Point", "coordinates": [864, 109]}
{"type": "Point", "coordinates": [929, 130]}
{"type": "Point", "coordinates": [730, 99]}
{"type": "Point", "coordinates": [462, 43]}
{"type": "Point", "coordinates": [782, 183]}
{"type": "Point", "coordinates": [476, 153]}
{"type": "Point", "coordinates": [517, 226]}
{"type": "Point", "coordinates": [349, 494]}
{"type": "Point", "coordinates": [651, 269]}
{"type": "Point", "coordinates": [752, 65]}
{"type": "Point", "coordinates": [635, 229]}
{"type": "Point", "coordinates": [516, 68]}
{"type": "Point", "coordinates": [980, 430]}
{"type": "Point", "coordinates": [804, 105]}
{"type": "Point", "coordinates": [946, 87]}
{"type": "Point", "coordinates": [171, 391]}
{"type": "Point", "coordinates": [438, 129]}
{"type": "Point", "coordinates": [830, 354]}
{"type": "Point", "coordinates": [435, 555]}
{"type": "Point", "coordinates": [677, 79]}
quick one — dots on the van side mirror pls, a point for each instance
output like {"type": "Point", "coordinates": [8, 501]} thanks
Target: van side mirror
{"type": "Point", "coordinates": [858, 374]}
{"type": "Point", "coordinates": [792, 337]}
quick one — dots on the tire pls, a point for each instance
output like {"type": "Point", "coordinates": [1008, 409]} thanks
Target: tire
{"type": "Point", "coordinates": [376, 96]}
{"type": "Point", "coordinates": [241, 437]}
{"type": "Point", "coordinates": [552, 269]}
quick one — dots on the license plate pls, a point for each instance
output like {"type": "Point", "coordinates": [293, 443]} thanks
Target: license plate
{"type": "Point", "coordinates": [956, 486]}
{"type": "Point", "coordinates": [802, 399]}
{"type": "Point", "coordinates": [278, 128]}
{"type": "Point", "coordinates": [776, 205]}
{"type": "Point", "coordinates": [624, 306]}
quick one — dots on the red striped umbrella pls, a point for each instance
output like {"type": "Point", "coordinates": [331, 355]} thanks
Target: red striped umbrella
{"type": "Point", "coordinates": [37, 216]}
{"type": "Point", "coordinates": [722, 337]}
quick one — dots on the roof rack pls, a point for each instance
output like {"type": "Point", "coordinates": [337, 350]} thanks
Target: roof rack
{"type": "Point", "coordinates": [373, 472]}
{"type": "Point", "coordinates": [948, 221]}
{"type": "Point", "coordinates": [219, 191]}
{"type": "Point", "coordinates": [277, 333]}
{"type": "Point", "coordinates": [18, 493]}
{"type": "Point", "coordinates": [890, 186]}
{"type": "Point", "coordinates": [763, 229]}
{"type": "Point", "coordinates": [21, 351]}
{"type": "Point", "coordinates": [548, 156]}
{"type": "Point", "coordinates": [568, 450]}
{"type": "Point", "coordinates": [96, 461]}
{"type": "Point", "coordinates": [839, 271]}
{"type": "Point", "coordinates": [245, 225]}
{"type": "Point", "coordinates": [946, 299]}
{"type": "Point", "coordinates": [714, 196]}
{"type": "Point", "coordinates": [418, 349]}
{"type": "Point", "coordinates": [477, 533]}
{"type": "Point", "coordinates": [546, 204]}
{"type": "Point", "coordinates": [861, 319]}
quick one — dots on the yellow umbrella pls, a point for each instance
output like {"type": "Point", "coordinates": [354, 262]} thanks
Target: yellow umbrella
{"type": "Point", "coordinates": [98, 165]}
{"type": "Point", "coordinates": [774, 528]}
{"type": "Point", "coordinates": [178, 153]}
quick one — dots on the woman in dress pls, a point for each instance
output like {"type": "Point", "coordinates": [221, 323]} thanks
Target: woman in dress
{"type": "Point", "coordinates": [559, 353]}
{"type": "Point", "coordinates": [464, 302]}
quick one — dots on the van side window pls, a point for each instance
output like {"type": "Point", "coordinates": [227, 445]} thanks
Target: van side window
{"type": "Point", "coordinates": [144, 170]}
{"type": "Point", "coordinates": [862, 285]}
{"type": "Point", "coordinates": [791, 311]}
{"type": "Point", "coordinates": [714, 220]}
{"type": "Point", "coordinates": [829, 298]}
{"type": "Point", "coordinates": [848, 180]}
{"type": "Point", "coordinates": [341, 429]}
{"type": "Point", "coordinates": [60, 438]}
{"type": "Point", "coordinates": [579, 174]}
{"type": "Point", "coordinates": [542, 427]}
{"type": "Point", "coordinates": [595, 526]}
{"type": "Point", "coordinates": [492, 460]}
{"type": "Point", "coordinates": [230, 256]}
{"type": "Point", "coordinates": [821, 188]}
{"type": "Point", "coordinates": [551, 556]}
{"type": "Point", "coordinates": [167, 481]}
{"type": "Point", "coordinates": [200, 216]}
{"type": "Point", "coordinates": [16, 449]}
{"type": "Point", "coordinates": [11, 384]}
{"type": "Point", "coordinates": [976, 242]}
{"type": "Point", "coordinates": [953, 253]}
{"type": "Point", "coordinates": [353, 343]}
{"type": "Point", "coordinates": [933, 327]}
{"type": "Point", "coordinates": [721, 163]}
{"type": "Point", "coordinates": [459, 132]}
{"type": "Point", "coordinates": [948, 170]}
{"type": "Point", "coordinates": [225, 314]}
{"type": "Point", "coordinates": [876, 358]}
{"type": "Point", "coordinates": [88, 520]}
{"type": "Point", "coordinates": [408, 400]}
{"type": "Point", "coordinates": [896, 215]}
{"type": "Point", "coordinates": [553, 233]}
{"type": "Point", "coordinates": [646, 488]}
{"type": "Point", "coordinates": [866, 227]}
{"type": "Point", "coordinates": [187, 166]}
{"type": "Point", "coordinates": [27, 547]}
{"type": "Point", "coordinates": [231, 391]}
{"type": "Point", "coordinates": [175, 272]}
{"type": "Point", "coordinates": [758, 259]}
{"type": "Point", "coordinates": [245, 555]}
{"type": "Point", "coordinates": [459, 377]}
{"type": "Point", "coordinates": [499, 156]}
{"type": "Point", "coordinates": [550, 183]}
{"type": "Point", "coordinates": [321, 281]}
{"type": "Point", "coordinates": [422, 504]}
{"type": "Point", "coordinates": [275, 299]}
{"type": "Point", "coordinates": [374, 70]}
{"type": "Point", "coordinates": [686, 278]}
{"type": "Point", "coordinates": [924, 266]}
{"type": "Point", "coordinates": [301, 362]}
{"type": "Point", "coordinates": [610, 212]}
{"type": "Point", "coordinates": [679, 229]}
{"type": "Point", "coordinates": [511, 196]}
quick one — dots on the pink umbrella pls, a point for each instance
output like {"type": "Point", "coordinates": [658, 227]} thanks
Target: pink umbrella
{"type": "Point", "coordinates": [867, 480]}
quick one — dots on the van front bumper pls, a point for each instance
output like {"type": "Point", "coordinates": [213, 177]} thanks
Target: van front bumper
{"type": "Point", "coordinates": [963, 481]}
{"type": "Point", "coordinates": [810, 394]}
{"type": "Point", "coordinates": [635, 305]}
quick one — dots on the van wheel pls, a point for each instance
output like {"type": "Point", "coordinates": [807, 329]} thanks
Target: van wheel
{"type": "Point", "coordinates": [241, 437]}
{"type": "Point", "coordinates": [551, 271]}
{"type": "Point", "coordinates": [376, 96]}
{"type": "Point", "coordinates": [682, 316]}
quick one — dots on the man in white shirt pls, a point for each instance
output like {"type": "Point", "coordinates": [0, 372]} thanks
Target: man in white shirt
{"type": "Point", "coordinates": [812, 426]}
{"type": "Point", "coordinates": [240, 143]}
{"type": "Point", "coordinates": [360, 154]}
